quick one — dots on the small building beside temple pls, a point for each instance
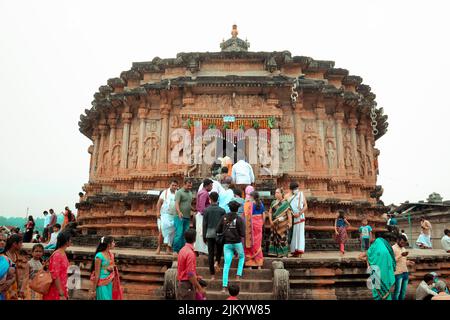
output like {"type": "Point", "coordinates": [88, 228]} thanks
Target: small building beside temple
{"type": "Point", "coordinates": [320, 123]}
{"type": "Point", "coordinates": [434, 209]}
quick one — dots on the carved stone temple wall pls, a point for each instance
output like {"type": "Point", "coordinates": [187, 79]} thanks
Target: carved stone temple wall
{"type": "Point", "coordinates": [326, 139]}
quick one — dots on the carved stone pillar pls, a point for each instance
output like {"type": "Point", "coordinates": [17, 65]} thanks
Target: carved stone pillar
{"type": "Point", "coordinates": [299, 163]}
{"type": "Point", "coordinates": [142, 114]}
{"type": "Point", "coordinates": [126, 120]}
{"type": "Point", "coordinates": [96, 141]}
{"type": "Point", "coordinates": [370, 144]}
{"type": "Point", "coordinates": [165, 111]}
{"type": "Point", "coordinates": [352, 124]}
{"type": "Point", "coordinates": [321, 116]}
{"type": "Point", "coordinates": [103, 131]}
{"type": "Point", "coordinates": [362, 129]}
{"type": "Point", "coordinates": [339, 116]}
{"type": "Point", "coordinates": [112, 120]}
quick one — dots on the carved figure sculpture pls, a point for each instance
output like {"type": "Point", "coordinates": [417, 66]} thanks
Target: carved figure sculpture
{"type": "Point", "coordinates": [132, 155]}
{"type": "Point", "coordinates": [331, 154]}
{"type": "Point", "coordinates": [348, 157]}
{"type": "Point", "coordinates": [116, 158]}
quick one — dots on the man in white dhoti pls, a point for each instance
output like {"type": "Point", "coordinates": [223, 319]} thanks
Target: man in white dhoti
{"type": "Point", "coordinates": [165, 214]}
{"type": "Point", "coordinates": [201, 204]}
{"type": "Point", "coordinates": [298, 204]}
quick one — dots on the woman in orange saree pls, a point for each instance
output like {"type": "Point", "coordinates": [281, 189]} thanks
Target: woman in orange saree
{"type": "Point", "coordinates": [254, 223]}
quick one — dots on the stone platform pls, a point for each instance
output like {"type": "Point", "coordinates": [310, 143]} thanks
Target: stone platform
{"type": "Point", "coordinates": [317, 275]}
{"type": "Point", "coordinates": [151, 242]}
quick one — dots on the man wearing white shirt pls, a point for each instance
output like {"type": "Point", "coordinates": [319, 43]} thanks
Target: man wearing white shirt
{"type": "Point", "coordinates": [424, 291]}
{"type": "Point", "coordinates": [165, 214]}
{"type": "Point", "coordinates": [217, 187]}
{"type": "Point", "coordinates": [242, 174]}
{"type": "Point", "coordinates": [445, 241]}
{"type": "Point", "coordinates": [47, 221]}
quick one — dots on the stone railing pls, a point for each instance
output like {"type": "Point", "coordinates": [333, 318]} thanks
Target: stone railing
{"type": "Point", "coordinates": [170, 282]}
{"type": "Point", "coordinates": [280, 281]}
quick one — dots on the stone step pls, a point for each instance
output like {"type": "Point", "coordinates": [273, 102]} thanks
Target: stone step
{"type": "Point", "coordinates": [254, 274]}
{"type": "Point", "coordinates": [336, 294]}
{"type": "Point", "coordinates": [202, 261]}
{"type": "Point", "coordinates": [244, 285]}
{"type": "Point", "coordinates": [299, 283]}
{"type": "Point", "coordinates": [217, 295]}
{"type": "Point", "coordinates": [327, 272]}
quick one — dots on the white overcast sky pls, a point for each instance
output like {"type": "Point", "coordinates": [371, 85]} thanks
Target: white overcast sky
{"type": "Point", "coordinates": [55, 54]}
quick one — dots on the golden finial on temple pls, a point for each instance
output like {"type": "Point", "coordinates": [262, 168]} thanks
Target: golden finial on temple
{"type": "Point", "coordinates": [234, 32]}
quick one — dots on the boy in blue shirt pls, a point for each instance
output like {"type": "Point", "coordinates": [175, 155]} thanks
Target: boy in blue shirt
{"type": "Point", "coordinates": [365, 232]}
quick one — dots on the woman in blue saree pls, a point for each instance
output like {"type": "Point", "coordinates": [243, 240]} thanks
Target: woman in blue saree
{"type": "Point", "coordinates": [5, 283]}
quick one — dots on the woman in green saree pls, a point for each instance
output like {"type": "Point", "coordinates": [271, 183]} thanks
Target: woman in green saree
{"type": "Point", "coordinates": [381, 261]}
{"type": "Point", "coordinates": [104, 273]}
{"type": "Point", "coordinates": [280, 217]}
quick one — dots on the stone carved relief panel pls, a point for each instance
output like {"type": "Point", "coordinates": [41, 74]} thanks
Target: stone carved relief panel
{"type": "Point", "coordinates": [133, 144]}
{"type": "Point", "coordinates": [348, 155]}
{"type": "Point", "coordinates": [175, 121]}
{"type": "Point", "coordinates": [248, 101]}
{"type": "Point", "coordinates": [211, 102]}
{"type": "Point", "coordinates": [369, 165]}
{"type": "Point", "coordinates": [116, 158]}
{"type": "Point", "coordinates": [152, 142]}
{"type": "Point", "coordinates": [362, 158]}
{"type": "Point", "coordinates": [287, 123]}
{"type": "Point", "coordinates": [103, 167]}
{"type": "Point", "coordinates": [312, 146]}
{"type": "Point", "coordinates": [133, 153]}
{"type": "Point", "coordinates": [219, 104]}
{"type": "Point", "coordinates": [330, 146]}
{"type": "Point", "coordinates": [287, 153]}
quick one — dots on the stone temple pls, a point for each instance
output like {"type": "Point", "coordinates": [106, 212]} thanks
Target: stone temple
{"type": "Point", "coordinates": [327, 120]}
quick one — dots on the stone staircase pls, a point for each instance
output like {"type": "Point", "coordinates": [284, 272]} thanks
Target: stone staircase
{"type": "Point", "coordinates": [254, 285]}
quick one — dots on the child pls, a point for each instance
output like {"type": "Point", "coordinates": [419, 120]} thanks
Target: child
{"type": "Point", "coordinates": [365, 233]}
{"type": "Point", "coordinates": [233, 290]}
{"type": "Point", "coordinates": [198, 295]}
{"type": "Point", "coordinates": [340, 227]}
{"type": "Point", "coordinates": [35, 264]}
{"type": "Point", "coordinates": [54, 236]}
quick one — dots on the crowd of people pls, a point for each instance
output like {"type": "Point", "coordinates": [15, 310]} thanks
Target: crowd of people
{"type": "Point", "coordinates": [366, 236]}
{"type": "Point", "coordinates": [46, 278]}
{"type": "Point", "coordinates": [228, 220]}
{"type": "Point", "coordinates": [51, 226]}
{"type": "Point", "coordinates": [44, 275]}
{"type": "Point", "coordinates": [388, 265]}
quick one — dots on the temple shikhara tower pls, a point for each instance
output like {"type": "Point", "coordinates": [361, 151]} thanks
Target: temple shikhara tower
{"type": "Point", "coordinates": [327, 122]}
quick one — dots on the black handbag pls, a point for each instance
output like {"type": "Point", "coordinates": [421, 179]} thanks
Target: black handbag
{"type": "Point", "coordinates": [220, 236]}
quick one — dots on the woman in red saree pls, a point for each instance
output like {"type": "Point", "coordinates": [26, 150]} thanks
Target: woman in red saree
{"type": "Point", "coordinates": [104, 273]}
{"type": "Point", "coordinates": [58, 265]}
{"type": "Point", "coordinates": [254, 223]}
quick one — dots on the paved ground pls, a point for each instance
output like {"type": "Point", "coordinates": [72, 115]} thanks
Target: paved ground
{"type": "Point", "coordinates": [314, 255]}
